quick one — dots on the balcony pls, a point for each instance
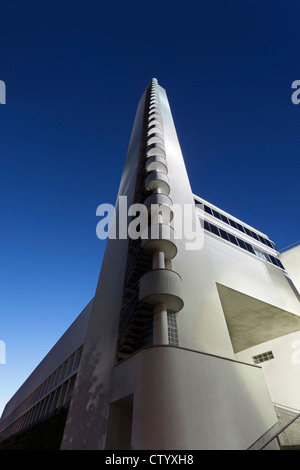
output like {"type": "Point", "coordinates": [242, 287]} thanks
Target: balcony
{"type": "Point", "coordinates": [162, 286]}
{"type": "Point", "coordinates": [157, 180]}
{"type": "Point", "coordinates": [156, 163]}
{"type": "Point", "coordinates": [160, 237]}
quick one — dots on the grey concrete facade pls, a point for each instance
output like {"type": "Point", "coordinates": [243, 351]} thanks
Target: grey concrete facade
{"type": "Point", "coordinates": [163, 345]}
{"type": "Point", "coordinates": [87, 427]}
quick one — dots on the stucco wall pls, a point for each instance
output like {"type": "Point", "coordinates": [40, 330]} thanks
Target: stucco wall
{"type": "Point", "coordinates": [187, 400]}
{"type": "Point", "coordinates": [291, 261]}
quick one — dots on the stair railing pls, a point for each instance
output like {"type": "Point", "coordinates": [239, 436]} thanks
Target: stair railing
{"type": "Point", "coordinates": [276, 436]}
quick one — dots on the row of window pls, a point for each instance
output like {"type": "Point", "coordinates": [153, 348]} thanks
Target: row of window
{"type": "Point", "coordinates": [69, 366]}
{"type": "Point", "coordinates": [242, 244]}
{"type": "Point", "coordinates": [267, 356]}
{"type": "Point", "coordinates": [62, 373]}
{"type": "Point", "coordinates": [58, 398]}
{"type": "Point", "coordinates": [236, 225]}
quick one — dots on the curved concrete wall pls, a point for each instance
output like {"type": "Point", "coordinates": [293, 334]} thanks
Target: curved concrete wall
{"type": "Point", "coordinates": [183, 399]}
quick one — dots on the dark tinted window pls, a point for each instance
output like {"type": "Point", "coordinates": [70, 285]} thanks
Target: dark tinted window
{"type": "Point", "coordinates": [239, 226]}
{"type": "Point", "coordinates": [249, 248]}
{"type": "Point", "coordinates": [208, 210]}
{"type": "Point", "coordinates": [216, 214]}
{"type": "Point", "coordinates": [214, 229]}
{"type": "Point", "coordinates": [232, 223]}
{"type": "Point", "coordinates": [242, 244]}
{"type": "Point", "coordinates": [224, 234]}
{"type": "Point", "coordinates": [232, 239]}
{"type": "Point", "coordinates": [255, 236]}
{"type": "Point", "coordinates": [267, 242]}
{"type": "Point", "coordinates": [262, 239]}
{"type": "Point", "coordinates": [279, 263]}
{"type": "Point", "coordinates": [224, 218]}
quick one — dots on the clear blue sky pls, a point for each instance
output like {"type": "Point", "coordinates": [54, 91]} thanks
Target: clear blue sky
{"type": "Point", "coordinates": [74, 73]}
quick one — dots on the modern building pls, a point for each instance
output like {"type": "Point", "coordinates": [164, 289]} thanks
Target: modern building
{"type": "Point", "coordinates": [192, 340]}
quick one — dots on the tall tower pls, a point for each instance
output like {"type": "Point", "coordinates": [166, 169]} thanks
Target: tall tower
{"type": "Point", "coordinates": [158, 369]}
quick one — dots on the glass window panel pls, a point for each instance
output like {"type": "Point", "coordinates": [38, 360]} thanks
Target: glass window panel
{"type": "Point", "coordinates": [232, 223]}
{"type": "Point", "coordinates": [279, 263]}
{"type": "Point", "coordinates": [255, 236]}
{"type": "Point", "coordinates": [249, 248]}
{"type": "Point", "coordinates": [262, 254]}
{"type": "Point", "coordinates": [214, 229]}
{"type": "Point", "coordinates": [276, 262]}
{"type": "Point", "coordinates": [261, 239]}
{"type": "Point", "coordinates": [232, 239]}
{"type": "Point", "coordinates": [224, 234]}
{"type": "Point", "coordinates": [208, 210]}
{"type": "Point", "coordinates": [267, 242]}
{"type": "Point", "coordinates": [240, 227]}
{"type": "Point", "coordinates": [216, 214]}
{"type": "Point", "coordinates": [224, 218]}
{"type": "Point", "coordinates": [242, 244]}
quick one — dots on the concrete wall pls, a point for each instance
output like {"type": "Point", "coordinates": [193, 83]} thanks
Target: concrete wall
{"type": "Point", "coordinates": [291, 261]}
{"type": "Point", "coordinates": [235, 268]}
{"type": "Point", "coordinates": [170, 398]}
{"type": "Point", "coordinates": [187, 400]}
{"type": "Point", "coordinates": [86, 426]}
{"type": "Point", "coordinates": [282, 373]}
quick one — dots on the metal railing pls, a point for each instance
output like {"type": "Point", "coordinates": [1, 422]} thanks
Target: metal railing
{"type": "Point", "coordinates": [278, 433]}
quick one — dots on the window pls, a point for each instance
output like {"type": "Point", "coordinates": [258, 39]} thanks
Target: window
{"type": "Point", "coordinates": [276, 262]}
{"type": "Point", "coordinates": [172, 329]}
{"type": "Point", "coordinates": [241, 243]}
{"type": "Point", "coordinates": [237, 225]}
{"type": "Point", "coordinates": [232, 223]}
{"type": "Point", "coordinates": [267, 356]}
{"type": "Point", "coordinates": [208, 210]}
{"type": "Point", "coordinates": [248, 232]}
{"type": "Point", "coordinates": [279, 264]}
{"type": "Point", "coordinates": [240, 227]}
{"type": "Point", "coordinates": [262, 239]}
{"type": "Point", "coordinates": [206, 225]}
{"type": "Point", "coordinates": [224, 218]}
{"type": "Point", "coordinates": [250, 248]}
{"type": "Point", "coordinates": [216, 214]}
{"type": "Point", "coordinates": [268, 243]}
{"type": "Point", "coordinates": [261, 254]}
{"type": "Point", "coordinates": [224, 234]}
{"type": "Point", "coordinates": [214, 229]}
{"type": "Point", "coordinates": [254, 235]}
{"type": "Point", "coordinates": [232, 239]}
